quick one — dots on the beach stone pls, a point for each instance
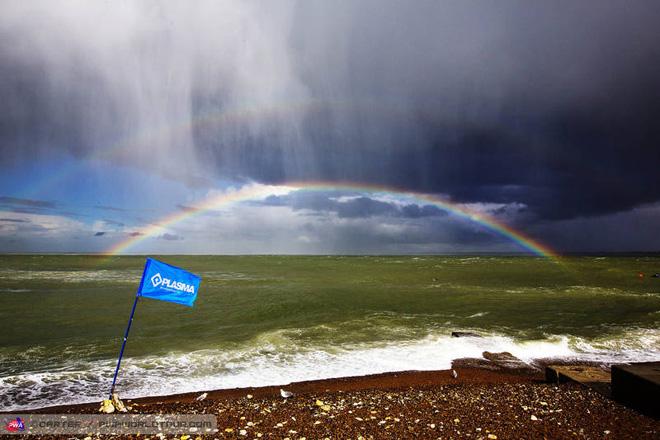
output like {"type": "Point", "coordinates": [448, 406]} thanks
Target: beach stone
{"type": "Point", "coordinates": [480, 363]}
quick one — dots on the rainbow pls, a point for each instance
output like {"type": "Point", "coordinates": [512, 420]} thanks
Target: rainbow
{"type": "Point", "coordinates": [253, 192]}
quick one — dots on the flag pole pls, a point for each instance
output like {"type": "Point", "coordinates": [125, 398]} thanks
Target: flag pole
{"type": "Point", "coordinates": [123, 345]}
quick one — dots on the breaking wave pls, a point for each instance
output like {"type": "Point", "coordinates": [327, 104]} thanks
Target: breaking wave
{"type": "Point", "coordinates": [278, 357]}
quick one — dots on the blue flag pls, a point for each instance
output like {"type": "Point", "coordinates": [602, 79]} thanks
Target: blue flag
{"type": "Point", "coordinates": [168, 283]}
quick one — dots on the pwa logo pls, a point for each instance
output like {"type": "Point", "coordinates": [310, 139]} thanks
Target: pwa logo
{"type": "Point", "coordinates": [15, 425]}
{"type": "Point", "coordinates": [158, 280]}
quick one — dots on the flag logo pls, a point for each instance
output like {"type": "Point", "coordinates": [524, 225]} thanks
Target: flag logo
{"type": "Point", "coordinates": [156, 280]}
{"type": "Point", "coordinates": [168, 283]}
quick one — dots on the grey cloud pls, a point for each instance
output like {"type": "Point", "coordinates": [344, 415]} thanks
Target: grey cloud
{"type": "Point", "coordinates": [113, 222]}
{"type": "Point", "coordinates": [14, 220]}
{"type": "Point", "coordinates": [27, 210]}
{"type": "Point", "coordinates": [170, 237]}
{"type": "Point", "coordinates": [273, 200]}
{"type": "Point", "coordinates": [416, 211]}
{"type": "Point", "coordinates": [110, 208]}
{"type": "Point", "coordinates": [425, 235]}
{"type": "Point", "coordinates": [355, 206]}
{"type": "Point", "coordinates": [364, 207]}
{"type": "Point", "coordinates": [20, 202]}
{"type": "Point", "coordinates": [99, 234]}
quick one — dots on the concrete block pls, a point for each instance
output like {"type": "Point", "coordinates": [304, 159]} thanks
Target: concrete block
{"type": "Point", "coordinates": [592, 376]}
{"type": "Point", "coordinates": [638, 386]}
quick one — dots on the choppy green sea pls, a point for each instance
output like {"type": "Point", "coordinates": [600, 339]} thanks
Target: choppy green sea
{"type": "Point", "coordinates": [265, 320]}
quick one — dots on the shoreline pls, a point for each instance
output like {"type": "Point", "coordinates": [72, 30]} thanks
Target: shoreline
{"type": "Point", "coordinates": [490, 369]}
{"type": "Point", "coordinates": [389, 380]}
{"type": "Point", "coordinates": [485, 401]}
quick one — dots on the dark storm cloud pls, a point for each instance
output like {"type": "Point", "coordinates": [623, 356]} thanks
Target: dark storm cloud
{"type": "Point", "coordinates": [550, 105]}
{"type": "Point", "coordinates": [364, 207]}
{"type": "Point", "coordinates": [416, 211]}
{"type": "Point", "coordinates": [353, 206]}
{"type": "Point", "coordinates": [99, 234]}
{"type": "Point", "coordinates": [135, 234]}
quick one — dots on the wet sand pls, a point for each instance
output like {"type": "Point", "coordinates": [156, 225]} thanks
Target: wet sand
{"type": "Point", "coordinates": [479, 404]}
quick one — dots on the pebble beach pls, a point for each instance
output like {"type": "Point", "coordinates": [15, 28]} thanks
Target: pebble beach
{"type": "Point", "coordinates": [478, 404]}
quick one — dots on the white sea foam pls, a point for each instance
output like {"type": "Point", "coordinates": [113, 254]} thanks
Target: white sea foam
{"type": "Point", "coordinates": [478, 315]}
{"type": "Point", "coordinates": [274, 358]}
{"type": "Point", "coordinates": [71, 276]}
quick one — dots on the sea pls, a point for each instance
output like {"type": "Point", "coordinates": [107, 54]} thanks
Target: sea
{"type": "Point", "coordinates": [267, 320]}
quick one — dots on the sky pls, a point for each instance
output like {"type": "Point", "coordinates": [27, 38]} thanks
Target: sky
{"type": "Point", "coordinates": [116, 115]}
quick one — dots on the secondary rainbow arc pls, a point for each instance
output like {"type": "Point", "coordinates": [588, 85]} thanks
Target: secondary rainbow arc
{"type": "Point", "coordinates": [254, 192]}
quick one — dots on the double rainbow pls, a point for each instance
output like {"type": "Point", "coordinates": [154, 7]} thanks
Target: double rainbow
{"type": "Point", "coordinates": [256, 192]}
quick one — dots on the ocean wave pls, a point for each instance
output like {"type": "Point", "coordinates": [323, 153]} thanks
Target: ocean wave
{"type": "Point", "coordinates": [277, 357]}
{"type": "Point", "coordinates": [607, 291]}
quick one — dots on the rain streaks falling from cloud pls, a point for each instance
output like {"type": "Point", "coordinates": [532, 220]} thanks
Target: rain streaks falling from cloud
{"type": "Point", "coordinates": [551, 108]}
